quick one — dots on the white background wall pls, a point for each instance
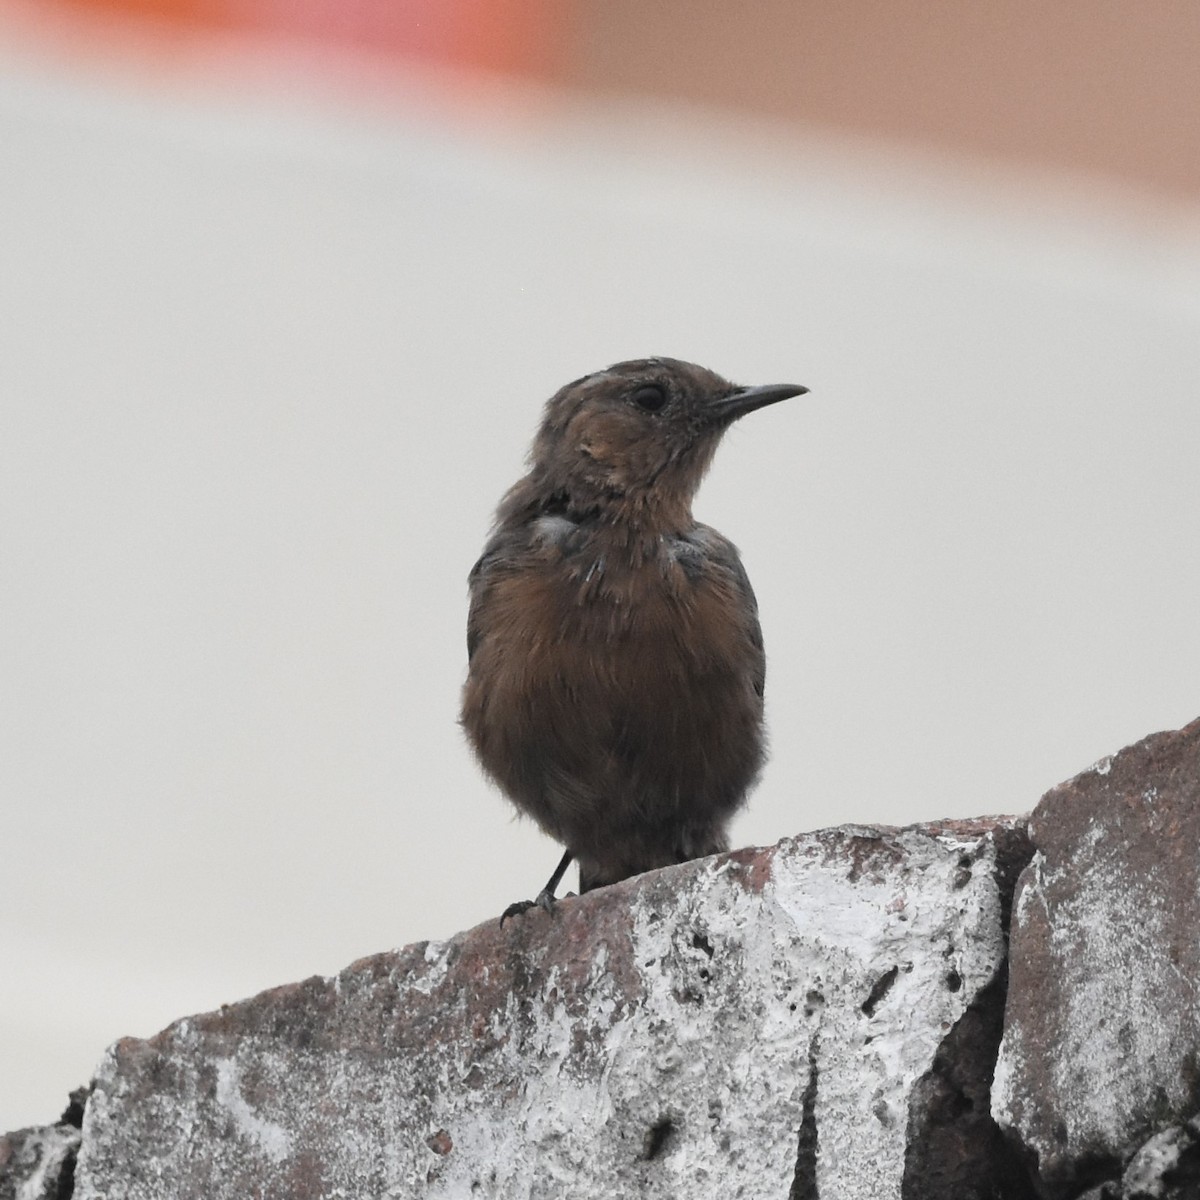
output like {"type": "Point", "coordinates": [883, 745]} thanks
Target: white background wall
{"type": "Point", "coordinates": [266, 365]}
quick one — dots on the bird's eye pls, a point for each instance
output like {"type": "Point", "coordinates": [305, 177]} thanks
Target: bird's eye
{"type": "Point", "coordinates": [651, 397]}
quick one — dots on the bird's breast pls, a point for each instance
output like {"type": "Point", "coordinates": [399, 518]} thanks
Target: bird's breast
{"type": "Point", "coordinates": [587, 607]}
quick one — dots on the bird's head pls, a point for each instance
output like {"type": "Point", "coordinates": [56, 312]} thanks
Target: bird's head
{"type": "Point", "coordinates": [635, 440]}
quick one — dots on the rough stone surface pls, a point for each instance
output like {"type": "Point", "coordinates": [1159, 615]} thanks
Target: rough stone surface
{"type": "Point", "coordinates": [760, 1024]}
{"type": "Point", "coordinates": [955, 1149]}
{"type": "Point", "coordinates": [39, 1164]}
{"type": "Point", "coordinates": [1101, 1046]}
{"type": "Point", "coordinates": [1167, 1167]}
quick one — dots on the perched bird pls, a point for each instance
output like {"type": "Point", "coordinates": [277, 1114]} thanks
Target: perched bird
{"type": "Point", "coordinates": [615, 687]}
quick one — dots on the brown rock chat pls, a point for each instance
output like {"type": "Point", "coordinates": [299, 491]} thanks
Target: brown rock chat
{"type": "Point", "coordinates": [615, 688]}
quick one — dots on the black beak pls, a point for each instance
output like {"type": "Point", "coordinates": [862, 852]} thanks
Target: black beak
{"type": "Point", "coordinates": [745, 400]}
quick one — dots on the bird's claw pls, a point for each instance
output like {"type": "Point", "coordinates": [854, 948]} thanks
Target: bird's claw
{"type": "Point", "coordinates": [545, 901]}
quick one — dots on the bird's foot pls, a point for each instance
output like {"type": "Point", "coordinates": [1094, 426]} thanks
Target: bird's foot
{"type": "Point", "coordinates": [545, 901]}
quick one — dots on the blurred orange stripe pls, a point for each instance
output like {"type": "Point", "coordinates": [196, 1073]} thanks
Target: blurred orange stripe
{"type": "Point", "coordinates": [509, 36]}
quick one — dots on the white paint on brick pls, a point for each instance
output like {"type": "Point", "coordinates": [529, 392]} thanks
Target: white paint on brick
{"type": "Point", "coordinates": [735, 993]}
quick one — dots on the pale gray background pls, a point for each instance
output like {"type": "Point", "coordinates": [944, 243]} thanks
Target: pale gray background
{"type": "Point", "coordinates": [266, 365]}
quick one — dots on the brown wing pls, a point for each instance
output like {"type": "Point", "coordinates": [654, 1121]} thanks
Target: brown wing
{"type": "Point", "coordinates": [499, 551]}
{"type": "Point", "coordinates": [718, 551]}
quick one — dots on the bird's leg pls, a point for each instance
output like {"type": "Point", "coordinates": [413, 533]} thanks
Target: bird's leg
{"type": "Point", "coordinates": [545, 898]}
